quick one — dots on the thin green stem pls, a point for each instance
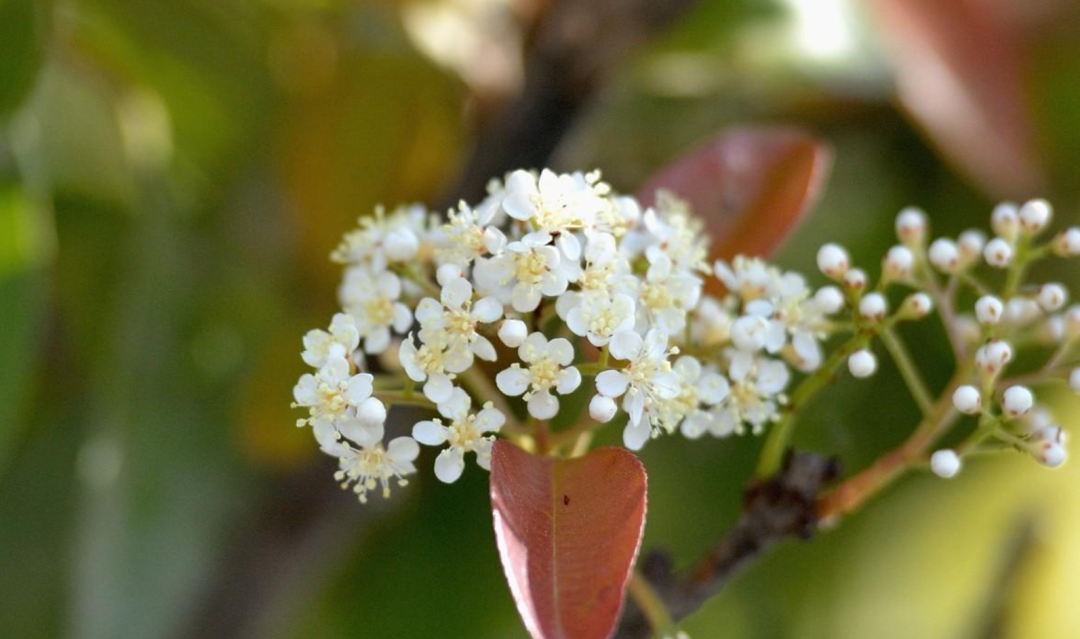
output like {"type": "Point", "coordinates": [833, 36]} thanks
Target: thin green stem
{"type": "Point", "coordinates": [908, 370]}
{"type": "Point", "coordinates": [400, 398]}
{"type": "Point", "coordinates": [652, 606]}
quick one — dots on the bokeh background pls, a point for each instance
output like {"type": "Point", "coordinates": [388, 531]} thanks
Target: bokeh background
{"type": "Point", "coordinates": [174, 173]}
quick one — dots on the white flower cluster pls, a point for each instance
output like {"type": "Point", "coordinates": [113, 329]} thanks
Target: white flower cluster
{"type": "Point", "coordinates": [550, 284]}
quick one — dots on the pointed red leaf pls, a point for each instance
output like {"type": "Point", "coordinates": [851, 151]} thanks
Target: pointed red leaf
{"type": "Point", "coordinates": [959, 74]}
{"type": "Point", "coordinates": [568, 531]}
{"type": "Point", "coordinates": [751, 184]}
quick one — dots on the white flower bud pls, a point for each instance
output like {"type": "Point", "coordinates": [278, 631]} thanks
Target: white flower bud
{"type": "Point", "coordinates": [944, 255]}
{"type": "Point", "coordinates": [1052, 297]}
{"type": "Point", "coordinates": [873, 307]}
{"type": "Point", "coordinates": [749, 333]}
{"type": "Point", "coordinates": [945, 463]}
{"type": "Point", "coordinates": [447, 273]}
{"type": "Point", "coordinates": [989, 309]}
{"type": "Point", "coordinates": [401, 244]}
{"type": "Point", "coordinates": [1072, 322]}
{"type": "Point", "coordinates": [1017, 401]}
{"type": "Point", "coordinates": [911, 226]}
{"type": "Point", "coordinates": [855, 280]}
{"type": "Point", "coordinates": [967, 400]}
{"type": "Point", "coordinates": [513, 332]}
{"type": "Point", "coordinates": [1039, 423]}
{"type": "Point", "coordinates": [1053, 330]}
{"type": "Point", "coordinates": [602, 409]}
{"type": "Point", "coordinates": [371, 412]}
{"type": "Point", "coordinates": [968, 329]}
{"type": "Point", "coordinates": [897, 264]}
{"type": "Point", "coordinates": [998, 253]}
{"type": "Point", "coordinates": [1074, 380]}
{"type": "Point", "coordinates": [829, 299]}
{"type": "Point", "coordinates": [833, 260]}
{"type": "Point", "coordinates": [1052, 455]}
{"type": "Point", "coordinates": [1067, 243]}
{"type": "Point", "coordinates": [862, 363]}
{"type": "Point", "coordinates": [1035, 216]}
{"type": "Point", "coordinates": [970, 244]}
{"type": "Point", "coordinates": [1021, 311]}
{"type": "Point", "coordinates": [916, 306]}
{"type": "Point", "coordinates": [992, 358]}
{"type": "Point", "coordinates": [1005, 220]}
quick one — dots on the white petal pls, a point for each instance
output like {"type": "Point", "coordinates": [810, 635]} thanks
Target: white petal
{"type": "Point", "coordinates": [570, 246]}
{"type": "Point", "coordinates": [525, 298]}
{"type": "Point", "coordinates": [306, 390]}
{"type": "Point", "coordinates": [448, 466]}
{"type": "Point", "coordinates": [688, 368]}
{"type": "Point", "coordinates": [612, 383]}
{"type": "Point", "coordinates": [359, 388]}
{"type": "Point", "coordinates": [489, 420]}
{"type": "Point", "coordinates": [361, 433]}
{"type": "Point", "coordinates": [402, 449]}
{"type": "Point", "coordinates": [625, 345]}
{"type": "Point", "coordinates": [429, 433]}
{"type": "Point", "coordinates": [429, 310]}
{"type": "Point", "coordinates": [512, 381]}
{"type": "Point", "coordinates": [401, 318]}
{"type": "Point", "coordinates": [635, 436]}
{"type": "Point", "coordinates": [568, 381]}
{"type": "Point", "coordinates": [713, 389]}
{"type": "Point", "coordinates": [457, 406]}
{"type": "Point", "coordinates": [543, 405]}
{"type": "Point", "coordinates": [377, 340]}
{"type": "Point", "coordinates": [438, 388]}
{"type": "Point", "coordinates": [483, 349]}
{"type": "Point", "coordinates": [483, 453]}
{"type": "Point", "coordinates": [456, 292]}
{"type": "Point", "coordinates": [371, 411]}
{"type": "Point", "coordinates": [560, 350]}
{"type": "Point", "coordinates": [487, 310]}
{"type": "Point", "coordinates": [634, 405]}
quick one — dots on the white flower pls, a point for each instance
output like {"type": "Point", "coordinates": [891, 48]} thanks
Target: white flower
{"type": "Point", "coordinates": [371, 465]}
{"type": "Point", "coordinates": [749, 278]}
{"type": "Point", "coordinates": [945, 463]}
{"type": "Point", "coordinates": [463, 433]}
{"type": "Point", "coordinates": [436, 364]}
{"type": "Point", "coordinates": [945, 255]}
{"type": "Point", "coordinates": [667, 293]}
{"type": "Point", "coordinates": [526, 271]}
{"type": "Point", "coordinates": [597, 315]}
{"type": "Point", "coordinates": [469, 234]}
{"type": "Point", "coordinates": [548, 369]}
{"type": "Point", "coordinates": [967, 400]}
{"type": "Point", "coordinates": [338, 402]}
{"type": "Point", "coordinates": [603, 265]}
{"type": "Point", "coordinates": [998, 253]}
{"type": "Point", "coordinates": [1052, 297]}
{"type": "Point", "coordinates": [644, 384]}
{"type": "Point", "coordinates": [341, 341]}
{"type": "Point", "coordinates": [554, 202]}
{"type": "Point", "coordinates": [453, 320]}
{"type": "Point", "coordinates": [1017, 401]}
{"type": "Point", "coordinates": [699, 389]}
{"type": "Point", "coordinates": [755, 395]}
{"type": "Point", "coordinates": [710, 323]}
{"type": "Point", "coordinates": [372, 300]}
{"type": "Point", "coordinates": [749, 333]}
{"type": "Point", "coordinates": [862, 363]}
{"type": "Point", "coordinates": [383, 239]}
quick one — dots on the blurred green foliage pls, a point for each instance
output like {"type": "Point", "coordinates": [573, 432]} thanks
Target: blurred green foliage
{"type": "Point", "coordinates": [172, 178]}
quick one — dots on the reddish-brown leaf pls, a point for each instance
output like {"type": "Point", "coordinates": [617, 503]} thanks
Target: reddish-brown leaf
{"type": "Point", "coordinates": [568, 531]}
{"type": "Point", "coordinates": [959, 74]}
{"type": "Point", "coordinates": [751, 184]}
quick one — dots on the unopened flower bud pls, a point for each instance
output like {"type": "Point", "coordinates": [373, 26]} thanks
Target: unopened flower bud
{"type": "Point", "coordinates": [1052, 297]}
{"type": "Point", "coordinates": [829, 299]}
{"type": "Point", "coordinates": [970, 244]}
{"type": "Point", "coordinates": [1021, 311]}
{"type": "Point", "coordinates": [988, 310]}
{"type": "Point", "coordinates": [1035, 216]}
{"type": "Point", "coordinates": [862, 363]}
{"type": "Point", "coordinates": [944, 255]}
{"type": "Point", "coordinates": [513, 332]}
{"type": "Point", "coordinates": [1049, 454]}
{"type": "Point", "coordinates": [916, 306]}
{"type": "Point", "coordinates": [1074, 380]}
{"type": "Point", "coordinates": [1005, 220]}
{"type": "Point", "coordinates": [1067, 243]}
{"type": "Point", "coordinates": [1072, 322]}
{"type": "Point", "coordinates": [992, 358]}
{"type": "Point", "coordinates": [911, 226]}
{"type": "Point", "coordinates": [447, 273]}
{"type": "Point", "coordinates": [833, 261]}
{"type": "Point", "coordinates": [998, 253]}
{"type": "Point", "coordinates": [855, 280]}
{"type": "Point", "coordinates": [897, 264]}
{"type": "Point", "coordinates": [968, 329]}
{"type": "Point", "coordinates": [371, 412]}
{"type": "Point", "coordinates": [967, 400]}
{"type": "Point", "coordinates": [873, 307]}
{"type": "Point", "coordinates": [945, 463]}
{"type": "Point", "coordinates": [1017, 401]}
{"type": "Point", "coordinates": [602, 409]}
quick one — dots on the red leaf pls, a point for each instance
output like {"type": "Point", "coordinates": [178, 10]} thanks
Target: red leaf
{"type": "Point", "coordinates": [568, 532]}
{"type": "Point", "coordinates": [751, 185]}
{"type": "Point", "coordinates": [958, 73]}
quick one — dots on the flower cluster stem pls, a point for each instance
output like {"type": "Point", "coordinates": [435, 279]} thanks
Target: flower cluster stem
{"type": "Point", "coordinates": [908, 370]}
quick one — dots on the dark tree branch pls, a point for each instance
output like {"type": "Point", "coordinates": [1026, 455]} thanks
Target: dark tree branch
{"type": "Point", "coordinates": [783, 507]}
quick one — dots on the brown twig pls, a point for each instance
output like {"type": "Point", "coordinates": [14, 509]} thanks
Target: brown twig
{"type": "Point", "coordinates": [782, 507]}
